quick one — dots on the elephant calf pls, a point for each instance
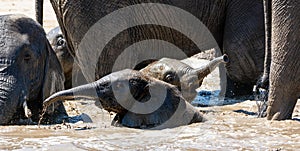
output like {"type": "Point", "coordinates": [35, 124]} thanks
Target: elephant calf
{"type": "Point", "coordinates": [29, 72]}
{"type": "Point", "coordinates": [140, 101]}
{"type": "Point", "coordinates": [71, 70]}
{"type": "Point", "coordinates": [183, 76]}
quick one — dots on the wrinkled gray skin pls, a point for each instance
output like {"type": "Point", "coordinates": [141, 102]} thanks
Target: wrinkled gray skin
{"type": "Point", "coordinates": [282, 59]}
{"type": "Point", "coordinates": [237, 26]}
{"type": "Point", "coordinates": [184, 77]}
{"type": "Point", "coordinates": [71, 70]}
{"type": "Point", "coordinates": [140, 101]}
{"type": "Point", "coordinates": [29, 72]}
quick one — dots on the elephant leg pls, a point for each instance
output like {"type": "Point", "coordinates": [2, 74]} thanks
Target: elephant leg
{"type": "Point", "coordinates": [244, 42]}
{"type": "Point", "coordinates": [283, 95]}
{"type": "Point", "coordinates": [285, 64]}
{"type": "Point", "coordinates": [284, 90]}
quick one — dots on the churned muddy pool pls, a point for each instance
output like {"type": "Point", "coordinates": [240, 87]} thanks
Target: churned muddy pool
{"type": "Point", "coordinates": [228, 127]}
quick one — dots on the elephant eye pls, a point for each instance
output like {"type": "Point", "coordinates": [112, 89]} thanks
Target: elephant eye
{"type": "Point", "coordinates": [27, 57]}
{"type": "Point", "coordinates": [170, 77]}
{"type": "Point", "coordinates": [61, 41]}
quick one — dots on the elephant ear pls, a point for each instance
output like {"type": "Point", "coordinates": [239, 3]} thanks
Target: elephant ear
{"type": "Point", "coordinates": [53, 82]}
{"type": "Point", "coordinates": [53, 74]}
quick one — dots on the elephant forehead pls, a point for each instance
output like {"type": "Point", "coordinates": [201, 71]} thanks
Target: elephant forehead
{"type": "Point", "coordinates": [17, 34]}
{"type": "Point", "coordinates": [23, 25]}
{"type": "Point", "coordinates": [122, 75]}
{"type": "Point", "coordinates": [165, 65]}
{"type": "Point", "coordinates": [157, 69]}
{"type": "Point", "coordinates": [160, 67]}
{"type": "Point", "coordinates": [53, 33]}
{"type": "Point", "coordinates": [10, 44]}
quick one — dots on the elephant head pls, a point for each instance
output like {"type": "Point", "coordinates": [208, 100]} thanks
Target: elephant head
{"type": "Point", "coordinates": [140, 101]}
{"type": "Point", "coordinates": [29, 70]}
{"type": "Point", "coordinates": [184, 77]}
{"type": "Point", "coordinates": [72, 72]}
{"type": "Point", "coordinates": [59, 45]}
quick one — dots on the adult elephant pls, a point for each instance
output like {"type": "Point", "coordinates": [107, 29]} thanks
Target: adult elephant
{"type": "Point", "coordinates": [282, 67]}
{"type": "Point", "coordinates": [235, 26]}
{"type": "Point", "coordinates": [29, 72]}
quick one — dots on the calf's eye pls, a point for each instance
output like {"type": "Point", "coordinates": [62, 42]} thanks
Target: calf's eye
{"type": "Point", "coordinates": [27, 57]}
{"type": "Point", "coordinates": [61, 41]}
{"type": "Point", "coordinates": [169, 78]}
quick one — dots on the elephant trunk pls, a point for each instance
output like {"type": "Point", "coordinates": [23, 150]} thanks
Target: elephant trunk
{"type": "Point", "coordinates": [194, 78]}
{"type": "Point", "coordinates": [100, 90]}
{"type": "Point", "coordinates": [9, 100]}
{"type": "Point", "coordinates": [39, 11]}
{"type": "Point", "coordinates": [77, 93]}
{"type": "Point", "coordinates": [202, 72]}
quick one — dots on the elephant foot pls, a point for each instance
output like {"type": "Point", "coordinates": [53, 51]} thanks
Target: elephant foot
{"type": "Point", "coordinates": [281, 109]}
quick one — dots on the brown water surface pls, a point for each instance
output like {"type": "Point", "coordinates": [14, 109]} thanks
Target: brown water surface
{"type": "Point", "coordinates": [230, 127]}
{"type": "Point", "coordinates": [226, 128]}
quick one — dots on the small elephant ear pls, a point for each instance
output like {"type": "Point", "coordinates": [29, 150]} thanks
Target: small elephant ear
{"type": "Point", "coordinates": [53, 82]}
{"type": "Point", "coordinates": [53, 74]}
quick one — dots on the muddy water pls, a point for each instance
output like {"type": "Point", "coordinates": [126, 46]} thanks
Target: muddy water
{"type": "Point", "coordinates": [229, 127]}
